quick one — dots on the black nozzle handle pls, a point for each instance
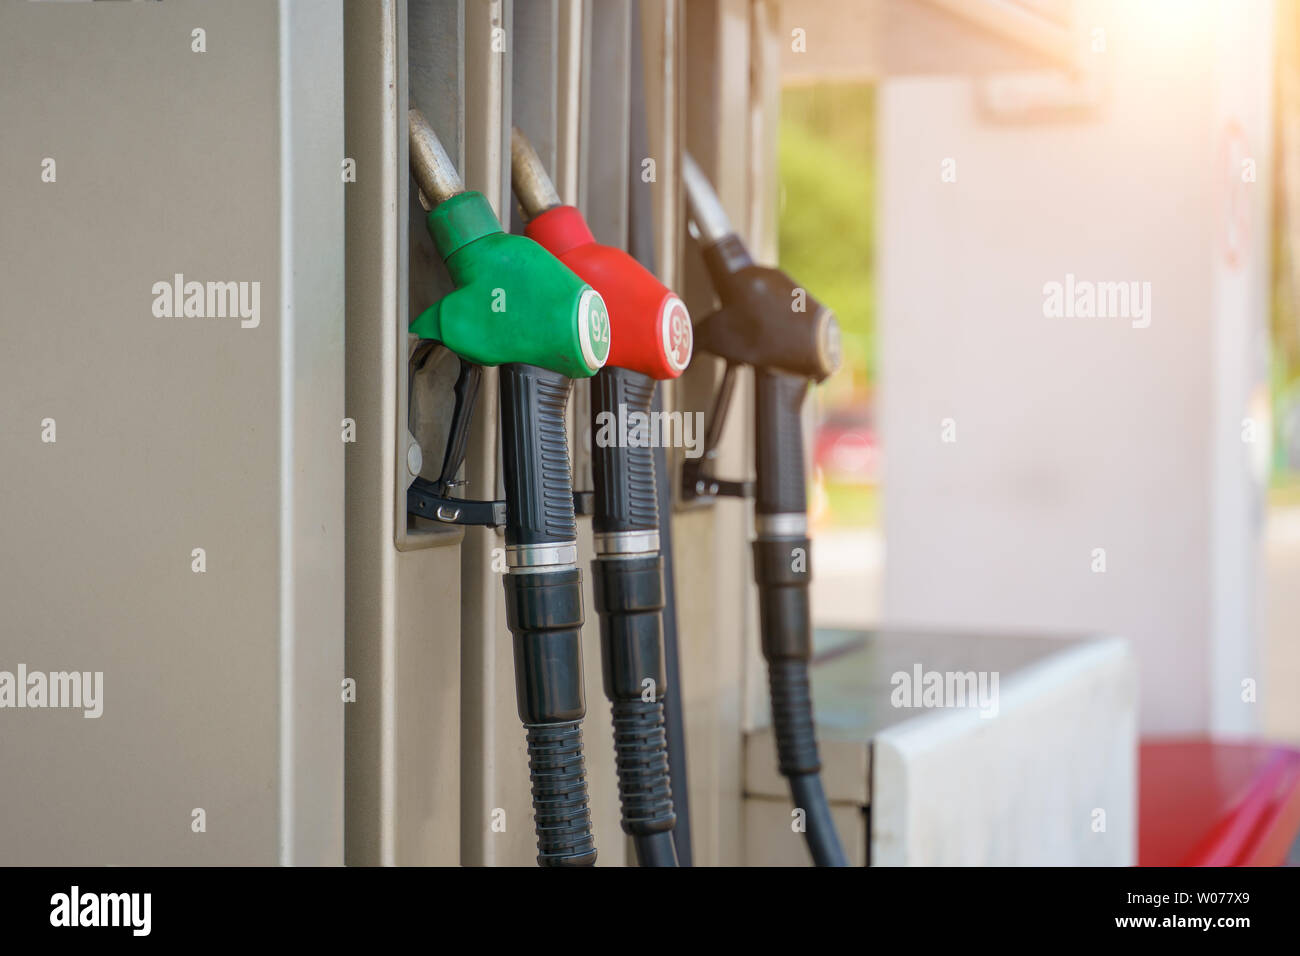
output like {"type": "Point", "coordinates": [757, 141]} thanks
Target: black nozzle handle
{"type": "Point", "coordinates": [778, 450]}
{"type": "Point", "coordinates": [465, 393]}
{"type": "Point", "coordinates": [535, 460]}
{"type": "Point", "coordinates": [622, 452]}
{"type": "Point", "coordinates": [629, 592]}
{"type": "Point", "coordinates": [782, 566]}
{"type": "Point", "coordinates": [765, 320]}
{"type": "Point", "coordinates": [544, 608]}
{"type": "Point", "coordinates": [783, 571]}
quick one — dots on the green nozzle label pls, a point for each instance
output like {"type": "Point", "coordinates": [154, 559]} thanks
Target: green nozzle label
{"type": "Point", "coordinates": [593, 329]}
{"type": "Point", "coordinates": [513, 301]}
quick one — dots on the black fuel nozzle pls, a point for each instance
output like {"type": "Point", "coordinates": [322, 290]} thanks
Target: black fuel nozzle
{"type": "Point", "coordinates": [764, 320]}
{"type": "Point", "coordinates": [767, 321]}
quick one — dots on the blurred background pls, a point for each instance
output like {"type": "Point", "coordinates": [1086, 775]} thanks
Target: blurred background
{"type": "Point", "coordinates": [930, 209]}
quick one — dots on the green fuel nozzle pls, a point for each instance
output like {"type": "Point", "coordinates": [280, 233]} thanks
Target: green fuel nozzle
{"type": "Point", "coordinates": [517, 306]}
{"type": "Point", "coordinates": [514, 301]}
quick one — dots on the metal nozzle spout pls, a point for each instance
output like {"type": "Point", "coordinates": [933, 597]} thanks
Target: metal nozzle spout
{"type": "Point", "coordinates": [528, 176]}
{"type": "Point", "coordinates": [434, 171]}
{"type": "Point", "coordinates": [705, 207]}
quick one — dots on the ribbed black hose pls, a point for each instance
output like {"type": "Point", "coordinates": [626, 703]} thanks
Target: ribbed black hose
{"type": "Point", "coordinates": [561, 810]}
{"type": "Point", "coordinates": [797, 757]}
{"type": "Point", "coordinates": [792, 717]}
{"type": "Point", "coordinates": [644, 790]}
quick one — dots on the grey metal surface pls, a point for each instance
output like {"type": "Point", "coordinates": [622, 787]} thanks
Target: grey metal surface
{"type": "Point", "coordinates": [221, 687]}
{"type": "Point", "coordinates": [607, 118]}
{"type": "Point", "coordinates": [534, 90]}
{"type": "Point", "coordinates": [403, 647]}
{"type": "Point", "coordinates": [1055, 738]}
{"type": "Point", "coordinates": [311, 466]}
{"type": "Point", "coordinates": [694, 106]}
{"type": "Point", "coordinates": [573, 86]}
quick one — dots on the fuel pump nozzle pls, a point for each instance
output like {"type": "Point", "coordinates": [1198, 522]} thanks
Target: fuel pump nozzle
{"type": "Point", "coordinates": [517, 307]}
{"type": "Point", "coordinates": [766, 321]}
{"type": "Point", "coordinates": [652, 338]}
{"type": "Point", "coordinates": [432, 168]}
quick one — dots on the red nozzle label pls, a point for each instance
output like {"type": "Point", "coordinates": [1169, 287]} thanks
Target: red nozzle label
{"type": "Point", "coordinates": [676, 333]}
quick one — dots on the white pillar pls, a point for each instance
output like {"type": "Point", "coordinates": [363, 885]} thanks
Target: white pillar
{"type": "Point", "coordinates": [1074, 436]}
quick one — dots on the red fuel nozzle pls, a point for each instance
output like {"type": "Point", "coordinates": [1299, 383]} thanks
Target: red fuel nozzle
{"type": "Point", "coordinates": [650, 338]}
{"type": "Point", "coordinates": [652, 331]}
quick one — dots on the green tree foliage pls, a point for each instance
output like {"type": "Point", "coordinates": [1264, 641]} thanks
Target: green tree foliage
{"type": "Point", "coordinates": [827, 218]}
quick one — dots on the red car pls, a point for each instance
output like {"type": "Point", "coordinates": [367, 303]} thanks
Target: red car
{"type": "Point", "coordinates": [845, 447]}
